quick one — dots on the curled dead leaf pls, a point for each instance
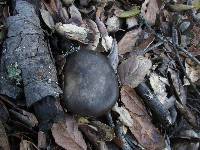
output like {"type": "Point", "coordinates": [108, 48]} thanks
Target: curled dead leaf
{"type": "Point", "coordinates": [73, 32]}
{"type": "Point", "coordinates": [133, 70]}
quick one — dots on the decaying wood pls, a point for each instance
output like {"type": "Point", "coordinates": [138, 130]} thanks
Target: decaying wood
{"type": "Point", "coordinates": [27, 51]}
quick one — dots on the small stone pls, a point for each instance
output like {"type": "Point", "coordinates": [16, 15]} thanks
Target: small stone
{"type": "Point", "coordinates": [91, 87]}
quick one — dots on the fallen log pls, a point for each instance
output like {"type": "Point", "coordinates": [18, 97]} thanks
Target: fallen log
{"type": "Point", "coordinates": [26, 61]}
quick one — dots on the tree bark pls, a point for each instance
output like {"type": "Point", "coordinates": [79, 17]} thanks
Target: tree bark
{"type": "Point", "coordinates": [26, 50]}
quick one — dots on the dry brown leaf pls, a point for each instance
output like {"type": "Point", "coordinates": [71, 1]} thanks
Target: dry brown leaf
{"type": "Point", "coordinates": [4, 144]}
{"type": "Point", "coordinates": [25, 145]}
{"type": "Point", "coordinates": [158, 84]}
{"type": "Point", "coordinates": [68, 136]}
{"type": "Point", "coordinates": [127, 43]}
{"type": "Point", "coordinates": [143, 129]}
{"type": "Point", "coordinates": [187, 134]}
{"type": "Point", "coordinates": [76, 17]}
{"type": "Point", "coordinates": [149, 11]}
{"type": "Point", "coordinates": [193, 72]}
{"type": "Point", "coordinates": [124, 115]}
{"type": "Point", "coordinates": [178, 86]}
{"type": "Point", "coordinates": [42, 140]}
{"type": "Point", "coordinates": [51, 6]}
{"type": "Point", "coordinates": [47, 18]}
{"type": "Point", "coordinates": [25, 117]}
{"type": "Point", "coordinates": [73, 32]}
{"type": "Point", "coordinates": [187, 114]}
{"type": "Point", "coordinates": [194, 35]}
{"type": "Point", "coordinates": [95, 36]}
{"type": "Point", "coordinates": [133, 70]}
{"type": "Point", "coordinates": [97, 131]}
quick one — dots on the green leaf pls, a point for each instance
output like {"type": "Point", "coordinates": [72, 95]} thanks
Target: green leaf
{"type": "Point", "coordinates": [196, 4]}
{"type": "Point", "coordinates": [130, 13]}
{"type": "Point", "coordinates": [180, 7]}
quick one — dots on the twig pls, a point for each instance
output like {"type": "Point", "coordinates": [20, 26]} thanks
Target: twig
{"type": "Point", "coordinates": [146, 50]}
{"type": "Point", "coordinates": [119, 133]}
{"type": "Point", "coordinates": [175, 41]}
{"type": "Point", "coordinates": [175, 45]}
{"type": "Point", "coordinates": [110, 120]}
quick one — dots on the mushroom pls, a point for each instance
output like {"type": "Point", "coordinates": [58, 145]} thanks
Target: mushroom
{"type": "Point", "coordinates": [90, 84]}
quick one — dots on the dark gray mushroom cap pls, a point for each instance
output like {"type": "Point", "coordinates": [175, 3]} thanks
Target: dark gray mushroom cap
{"type": "Point", "coordinates": [91, 87]}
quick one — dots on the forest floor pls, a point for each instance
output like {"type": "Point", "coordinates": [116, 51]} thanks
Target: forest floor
{"type": "Point", "coordinates": [153, 47]}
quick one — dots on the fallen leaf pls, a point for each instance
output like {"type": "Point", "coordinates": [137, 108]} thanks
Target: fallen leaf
{"type": "Point", "coordinates": [68, 136]}
{"type": "Point", "coordinates": [73, 32]}
{"type": "Point", "coordinates": [25, 145]}
{"type": "Point", "coordinates": [187, 135]}
{"type": "Point", "coordinates": [25, 117]}
{"type": "Point", "coordinates": [130, 13]}
{"type": "Point", "coordinates": [4, 114]}
{"type": "Point", "coordinates": [194, 36]}
{"type": "Point", "coordinates": [105, 132]}
{"type": "Point", "coordinates": [149, 11]}
{"type": "Point", "coordinates": [127, 43]}
{"type": "Point", "coordinates": [51, 6]}
{"type": "Point", "coordinates": [42, 140]}
{"type": "Point", "coordinates": [97, 131]}
{"type": "Point", "coordinates": [76, 17]}
{"type": "Point", "coordinates": [113, 24]}
{"type": "Point", "coordinates": [187, 114]}
{"type": "Point", "coordinates": [158, 84]}
{"type": "Point", "coordinates": [178, 86]}
{"type": "Point", "coordinates": [142, 128]}
{"type": "Point", "coordinates": [113, 56]}
{"type": "Point", "coordinates": [4, 144]}
{"type": "Point", "coordinates": [196, 4]}
{"type": "Point", "coordinates": [68, 2]}
{"type": "Point", "coordinates": [106, 42]}
{"type": "Point", "coordinates": [131, 22]}
{"type": "Point", "coordinates": [133, 70]}
{"type": "Point", "coordinates": [95, 36]}
{"type": "Point", "coordinates": [193, 72]}
{"type": "Point", "coordinates": [180, 7]}
{"type": "Point", "coordinates": [47, 18]}
{"type": "Point", "coordinates": [124, 115]}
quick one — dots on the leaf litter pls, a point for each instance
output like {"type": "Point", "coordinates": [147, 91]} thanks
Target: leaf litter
{"type": "Point", "coordinates": [142, 48]}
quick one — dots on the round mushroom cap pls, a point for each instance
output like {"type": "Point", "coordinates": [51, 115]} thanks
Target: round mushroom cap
{"type": "Point", "coordinates": [91, 87]}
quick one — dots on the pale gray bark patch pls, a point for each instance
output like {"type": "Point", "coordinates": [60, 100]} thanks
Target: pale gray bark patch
{"type": "Point", "coordinates": [26, 46]}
